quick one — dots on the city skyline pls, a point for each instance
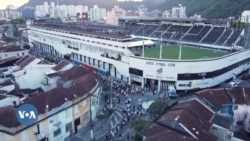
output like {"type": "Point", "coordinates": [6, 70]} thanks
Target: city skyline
{"type": "Point", "coordinates": [15, 3]}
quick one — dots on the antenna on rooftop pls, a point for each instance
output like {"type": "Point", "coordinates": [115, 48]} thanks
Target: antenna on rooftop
{"type": "Point", "coordinates": [47, 109]}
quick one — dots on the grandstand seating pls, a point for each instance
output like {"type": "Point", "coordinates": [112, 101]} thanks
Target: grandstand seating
{"type": "Point", "coordinates": [213, 35]}
{"type": "Point", "coordinates": [199, 36]}
{"type": "Point", "coordinates": [164, 27]}
{"type": "Point", "coordinates": [240, 42]}
{"type": "Point", "coordinates": [233, 38]}
{"type": "Point", "coordinates": [196, 29]}
{"type": "Point", "coordinates": [224, 37]}
{"type": "Point", "coordinates": [150, 30]}
{"type": "Point", "coordinates": [193, 33]}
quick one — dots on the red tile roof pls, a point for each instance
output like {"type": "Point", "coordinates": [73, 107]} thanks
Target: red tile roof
{"type": "Point", "coordinates": [189, 115]}
{"type": "Point", "coordinates": [27, 61]}
{"type": "Point", "coordinates": [73, 73]}
{"type": "Point", "coordinates": [2, 96]}
{"type": "Point", "coordinates": [11, 49]}
{"type": "Point", "coordinates": [56, 97]}
{"type": "Point", "coordinates": [216, 97]}
{"type": "Point", "coordinates": [219, 97]}
{"type": "Point", "coordinates": [10, 59]}
{"type": "Point", "coordinates": [6, 83]}
{"type": "Point", "coordinates": [157, 132]}
{"type": "Point", "coordinates": [83, 82]}
{"type": "Point", "coordinates": [60, 65]}
{"type": "Point", "coordinates": [22, 59]}
{"type": "Point", "coordinates": [8, 117]}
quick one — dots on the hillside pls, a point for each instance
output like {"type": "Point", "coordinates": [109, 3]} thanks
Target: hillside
{"type": "Point", "coordinates": [207, 8]}
{"type": "Point", "coordinates": [211, 8]}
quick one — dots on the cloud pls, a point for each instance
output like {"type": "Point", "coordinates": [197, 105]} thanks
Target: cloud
{"type": "Point", "coordinates": [15, 3]}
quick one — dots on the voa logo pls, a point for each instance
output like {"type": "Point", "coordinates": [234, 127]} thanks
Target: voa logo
{"type": "Point", "coordinates": [27, 114]}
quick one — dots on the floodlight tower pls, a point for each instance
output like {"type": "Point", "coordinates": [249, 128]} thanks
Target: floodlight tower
{"type": "Point", "coordinates": [161, 48]}
{"type": "Point", "coordinates": [143, 40]}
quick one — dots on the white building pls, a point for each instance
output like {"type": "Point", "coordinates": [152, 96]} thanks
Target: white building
{"type": "Point", "coordinates": [114, 14]}
{"type": "Point", "coordinates": [97, 14]}
{"type": "Point", "coordinates": [31, 68]}
{"type": "Point", "coordinates": [79, 9]}
{"type": "Point", "coordinates": [245, 16]}
{"type": "Point", "coordinates": [63, 10]}
{"type": "Point", "coordinates": [71, 10]}
{"type": "Point", "coordinates": [12, 51]}
{"type": "Point", "coordinates": [179, 11]}
{"type": "Point", "coordinates": [166, 14]}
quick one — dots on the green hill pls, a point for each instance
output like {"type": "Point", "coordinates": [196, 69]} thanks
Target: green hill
{"type": "Point", "coordinates": [207, 8]}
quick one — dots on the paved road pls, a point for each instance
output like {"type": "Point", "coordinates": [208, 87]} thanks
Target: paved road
{"type": "Point", "coordinates": [102, 128]}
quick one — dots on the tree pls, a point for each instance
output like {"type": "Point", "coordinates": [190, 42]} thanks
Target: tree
{"type": "Point", "coordinates": [156, 108]}
{"type": "Point", "coordinates": [138, 137]}
{"type": "Point", "coordinates": [26, 46]}
{"type": "Point", "coordinates": [139, 124]}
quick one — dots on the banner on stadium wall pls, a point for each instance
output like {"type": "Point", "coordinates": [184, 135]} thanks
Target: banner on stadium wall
{"type": "Point", "coordinates": [158, 70]}
{"type": "Point", "coordinates": [136, 78]}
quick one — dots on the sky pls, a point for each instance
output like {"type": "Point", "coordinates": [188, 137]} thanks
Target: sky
{"type": "Point", "coordinates": [16, 3]}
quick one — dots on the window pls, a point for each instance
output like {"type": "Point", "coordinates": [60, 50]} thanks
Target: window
{"type": "Point", "coordinates": [57, 132]}
{"type": "Point", "coordinates": [67, 113]}
{"type": "Point", "coordinates": [23, 53]}
{"type": "Point", "coordinates": [84, 103]}
{"type": "Point", "coordinates": [235, 107]}
{"type": "Point", "coordinates": [17, 54]}
{"type": "Point", "coordinates": [86, 115]}
{"type": "Point", "coordinates": [68, 127]}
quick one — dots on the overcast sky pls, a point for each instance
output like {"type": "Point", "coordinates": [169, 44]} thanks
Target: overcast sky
{"type": "Point", "coordinates": [16, 3]}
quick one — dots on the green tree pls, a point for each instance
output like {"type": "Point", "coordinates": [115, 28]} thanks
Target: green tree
{"type": "Point", "coordinates": [26, 46]}
{"type": "Point", "coordinates": [139, 124]}
{"type": "Point", "coordinates": [156, 108]}
{"type": "Point", "coordinates": [138, 137]}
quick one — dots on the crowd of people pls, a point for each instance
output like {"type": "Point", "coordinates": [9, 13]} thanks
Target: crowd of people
{"type": "Point", "coordinates": [130, 111]}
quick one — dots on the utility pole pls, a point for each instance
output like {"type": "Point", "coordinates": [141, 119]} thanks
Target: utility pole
{"type": "Point", "coordinates": [180, 51]}
{"type": "Point", "coordinates": [161, 48]}
{"type": "Point", "coordinates": [111, 92]}
{"type": "Point", "coordinates": [143, 41]}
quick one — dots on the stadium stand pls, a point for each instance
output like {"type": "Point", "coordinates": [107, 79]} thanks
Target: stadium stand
{"type": "Point", "coordinates": [213, 35]}
{"type": "Point", "coordinates": [233, 38]}
{"type": "Point", "coordinates": [223, 37]}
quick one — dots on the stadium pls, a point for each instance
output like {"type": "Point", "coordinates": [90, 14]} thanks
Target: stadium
{"type": "Point", "coordinates": [186, 54]}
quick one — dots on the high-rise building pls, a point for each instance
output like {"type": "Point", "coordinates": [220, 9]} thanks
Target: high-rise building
{"type": "Point", "coordinates": [28, 13]}
{"type": "Point", "coordinates": [245, 16]}
{"type": "Point", "coordinates": [179, 11]}
{"type": "Point", "coordinates": [97, 14]}
{"type": "Point", "coordinates": [71, 10]}
{"type": "Point", "coordinates": [114, 14]}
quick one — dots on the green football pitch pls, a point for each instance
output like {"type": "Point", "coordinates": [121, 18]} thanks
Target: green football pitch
{"type": "Point", "coordinates": [172, 52]}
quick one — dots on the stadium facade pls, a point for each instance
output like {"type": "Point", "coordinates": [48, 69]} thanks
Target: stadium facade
{"type": "Point", "coordinates": [112, 53]}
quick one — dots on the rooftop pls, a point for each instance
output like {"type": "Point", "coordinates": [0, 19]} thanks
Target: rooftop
{"type": "Point", "coordinates": [83, 81]}
{"type": "Point", "coordinates": [10, 59]}
{"type": "Point", "coordinates": [190, 119]}
{"type": "Point", "coordinates": [8, 117]}
{"type": "Point", "coordinates": [10, 49]}
{"type": "Point", "coordinates": [6, 83]}
{"type": "Point", "coordinates": [97, 31]}
{"type": "Point", "coordinates": [24, 61]}
{"type": "Point", "coordinates": [219, 97]}
{"type": "Point", "coordinates": [157, 132]}
{"type": "Point", "coordinates": [2, 97]}
{"type": "Point", "coordinates": [60, 65]}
